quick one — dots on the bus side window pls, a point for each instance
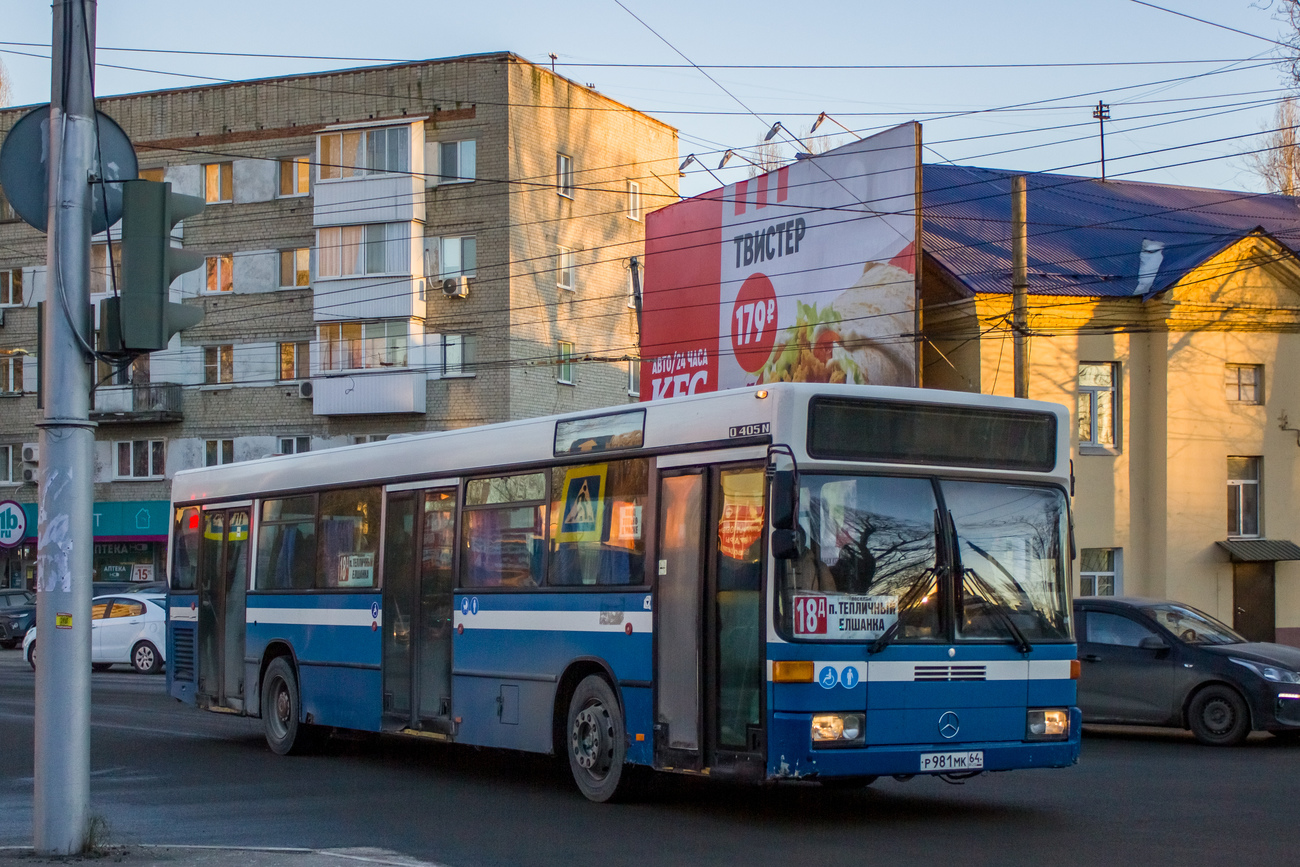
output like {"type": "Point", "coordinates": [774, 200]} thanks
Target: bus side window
{"type": "Point", "coordinates": [505, 531]}
{"type": "Point", "coordinates": [596, 521]}
{"type": "Point", "coordinates": [286, 544]}
{"type": "Point", "coordinates": [349, 537]}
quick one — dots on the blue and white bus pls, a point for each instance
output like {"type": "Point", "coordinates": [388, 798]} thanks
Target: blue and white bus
{"type": "Point", "coordinates": [795, 581]}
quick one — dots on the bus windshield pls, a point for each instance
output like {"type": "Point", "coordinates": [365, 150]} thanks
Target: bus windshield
{"type": "Point", "coordinates": [877, 549]}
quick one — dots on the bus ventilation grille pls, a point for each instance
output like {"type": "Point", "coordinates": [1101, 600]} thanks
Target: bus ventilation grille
{"type": "Point", "coordinates": [949, 672]}
{"type": "Point", "coordinates": [183, 654]}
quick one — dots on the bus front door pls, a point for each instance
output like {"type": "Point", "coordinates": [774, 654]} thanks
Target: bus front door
{"type": "Point", "coordinates": [419, 546]}
{"type": "Point", "coordinates": [709, 658]}
{"type": "Point", "coordinates": [223, 586]}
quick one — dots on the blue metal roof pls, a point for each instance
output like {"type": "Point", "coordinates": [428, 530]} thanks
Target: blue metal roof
{"type": "Point", "coordinates": [1085, 235]}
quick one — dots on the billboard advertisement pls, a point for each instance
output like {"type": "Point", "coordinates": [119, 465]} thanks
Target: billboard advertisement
{"type": "Point", "coordinates": [807, 273]}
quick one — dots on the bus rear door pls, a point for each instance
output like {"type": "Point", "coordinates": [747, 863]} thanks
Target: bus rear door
{"type": "Point", "coordinates": [223, 586]}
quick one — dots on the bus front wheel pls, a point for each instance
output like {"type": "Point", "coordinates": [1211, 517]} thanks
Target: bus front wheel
{"type": "Point", "coordinates": [281, 709]}
{"type": "Point", "coordinates": [597, 739]}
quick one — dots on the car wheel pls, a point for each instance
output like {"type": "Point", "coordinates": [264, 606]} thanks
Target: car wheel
{"type": "Point", "coordinates": [144, 658]}
{"type": "Point", "coordinates": [596, 739]}
{"type": "Point", "coordinates": [1219, 717]}
{"type": "Point", "coordinates": [31, 656]}
{"type": "Point", "coordinates": [100, 666]}
{"type": "Point", "coordinates": [281, 707]}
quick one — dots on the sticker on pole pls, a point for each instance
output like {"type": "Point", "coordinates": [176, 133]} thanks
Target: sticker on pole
{"type": "Point", "coordinates": [62, 620]}
{"type": "Point", "coordinates": [843, 617]}
{"type": "Point", "coordinates": [13, 524]}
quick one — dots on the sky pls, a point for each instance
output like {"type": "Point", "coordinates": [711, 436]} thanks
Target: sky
{"type": "Point", "coordinates": [1189, 121]}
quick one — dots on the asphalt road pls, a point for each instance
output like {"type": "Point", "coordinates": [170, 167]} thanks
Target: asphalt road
{"type": "Point", "coordinates": [165, 774]}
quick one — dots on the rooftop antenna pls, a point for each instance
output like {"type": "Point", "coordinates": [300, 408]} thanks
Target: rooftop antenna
{"type": "Point", "coordinates": [552, 56]}
{"type": "Point", "coordinates": [1102, 114]}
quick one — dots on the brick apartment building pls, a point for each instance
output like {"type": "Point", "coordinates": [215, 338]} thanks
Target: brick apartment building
{"type": "Point", "coordinates": [390, 249]}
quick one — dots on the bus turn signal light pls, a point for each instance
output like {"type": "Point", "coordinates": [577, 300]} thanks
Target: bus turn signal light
{"type": "Point", "coordinates": [1074, 669]}
{"type": "Point", "coordinates": [792, 671]}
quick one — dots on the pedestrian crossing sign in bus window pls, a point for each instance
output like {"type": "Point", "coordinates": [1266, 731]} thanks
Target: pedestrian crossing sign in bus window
{"type": "Point", "coordinates": [582, 517]}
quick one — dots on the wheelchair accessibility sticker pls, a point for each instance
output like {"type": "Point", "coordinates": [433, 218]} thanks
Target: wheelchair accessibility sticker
{"type": "Point", "coordinates": [830, 677]}
{"type": "Point", "coordinates": [469, 605]}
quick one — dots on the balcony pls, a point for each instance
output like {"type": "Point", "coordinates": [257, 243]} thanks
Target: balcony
{"type": "Point", "coordinates": [366, 393]}
{"type": "Point", "coordinates": [149, 402]}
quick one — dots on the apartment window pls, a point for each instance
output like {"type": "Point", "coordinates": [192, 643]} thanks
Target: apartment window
{"type": "Point", "coordinates": [1243, 496]}
{"type": "Point", "coordinates": [457, 355]}
{"type": "Point", "coordinates": [6, 465]}
{"type": "Point", "coordinates": [218, 452]}
{"type": "Point", "coordinates": [294, 445]}
{"type": "Point", "coordinates": [1244, 383]}
{"type": "Point", "coordinates": [295, 360]}
{"type": "Point", "coordinates": [218, 364]}
{"type": "Point", "coordinates": [218, 182]}
{"type": "Point", "coordinates": [140, 459]}
{"type": "Point", "coordinates": [11, 287]}
{"type": "Point", "coordinates": [564, 277]}
{"type": "Point", "coordinates": [362, 152]}
{"type": "Point", "coordinates": [349, 251]}
{"type": "Point", "coordinates": [458, 257]}
{"type": "Point", "coordinates": [221, 273]}
{"type": "Point", "coordinates": [157, 174]}
{"type": "Point", "coordinates": [362, 345]}
{"type": "Point", "coordinates": [11, 374]}
{"type": "Point", "coordinates": [634, 377]}
{"type": "Point", "coordinates": [295, 176]}
{"type": "Point", "coordinates": [101, 277]}
{"type": "Point", "coordinates": [633, 200]}
{"type": "Point", "coordinates": [360, 439]}
{"type": "Point", "coordinates": [1098, 401]}
{"type": "Point", "coordinates": [1097, 572]}
{"type": "Point", "coordinates": [565, 368]}
{"type": "Point", "coordinates": [295, 267]}
{"type": "Point", "coordinates": [7, 212]}
{"type": "Point", "coordinates": [564, 175]}
{"type": "Point", "coordinates": [456, 162]}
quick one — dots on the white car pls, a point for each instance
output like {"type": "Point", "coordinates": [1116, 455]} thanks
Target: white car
{"type": "Point", "coordinates": [130, 628]}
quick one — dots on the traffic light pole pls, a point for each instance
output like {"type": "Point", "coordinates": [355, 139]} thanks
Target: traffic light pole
{"type": "Point", "coordinates": [61, 799]}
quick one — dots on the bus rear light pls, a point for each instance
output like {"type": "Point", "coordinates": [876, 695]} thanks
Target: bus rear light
{"type": "Point", "coordinates": [792, 671]}
{"type": "Point", "coordinates": [1074, 669]}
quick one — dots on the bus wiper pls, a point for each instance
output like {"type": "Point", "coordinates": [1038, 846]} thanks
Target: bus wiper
{"type": "Point", "coordinates": [891, 633]}
{"type": "Point", "coordinates": [1000, 609]}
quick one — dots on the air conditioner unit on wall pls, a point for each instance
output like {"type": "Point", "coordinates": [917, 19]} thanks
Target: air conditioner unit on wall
{"type": "Point", "coordinates": [31, 453]}
{"type": "Point", "coordinates": [306, 389]}
{"type": "Point", "coordinates": [30, 475]}
{"type": "Point", "coordinates": [456, 287]}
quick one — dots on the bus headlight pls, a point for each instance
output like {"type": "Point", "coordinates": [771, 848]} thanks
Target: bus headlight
{"type": "Point", "coordinates": [1049, 724]}
{"type": "Point", "coordinates": [838, 730]}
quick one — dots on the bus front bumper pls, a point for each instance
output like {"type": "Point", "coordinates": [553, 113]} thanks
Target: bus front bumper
{"type": "Point", "coordinates": [791, 756]}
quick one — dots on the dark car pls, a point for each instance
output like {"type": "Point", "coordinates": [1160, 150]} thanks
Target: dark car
{"type": "Point", "coordinates": [1161, 663]}
{"type": "Point", "coordinates": [17, 615]}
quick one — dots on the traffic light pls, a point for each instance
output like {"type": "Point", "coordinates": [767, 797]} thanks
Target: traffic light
{"type": "Point", "coordinates": [141, 318]}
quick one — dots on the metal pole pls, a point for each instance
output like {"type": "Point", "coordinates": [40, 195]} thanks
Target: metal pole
{"type": "Point", "coordinates": [61, 799]}
{"type": "Point", "coordinates": [1019, 286]}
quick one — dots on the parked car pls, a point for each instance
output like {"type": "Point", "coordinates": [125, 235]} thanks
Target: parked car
{"type": "Point", "coordinates": [1161, 663]}
{"type": "Point", "coordinates": [17, 615]}
{"type": "Point", "coordinates": [127, 628]}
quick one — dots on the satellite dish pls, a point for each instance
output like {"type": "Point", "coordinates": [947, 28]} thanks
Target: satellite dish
{"type": "Point", "coordinates": [25, 171]}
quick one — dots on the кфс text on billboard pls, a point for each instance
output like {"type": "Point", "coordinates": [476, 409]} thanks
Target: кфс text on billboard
{"type": "Point", "coordinates": [804, 274]}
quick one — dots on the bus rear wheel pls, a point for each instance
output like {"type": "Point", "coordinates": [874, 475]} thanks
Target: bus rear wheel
{"type": "Point", "coordinates": [281, 708]}
{"type": "Point", "coordinates": [597, 739]}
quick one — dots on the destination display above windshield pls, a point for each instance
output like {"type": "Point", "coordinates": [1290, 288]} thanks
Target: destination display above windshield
{"type": "Point", "coordinates": [840, 617]}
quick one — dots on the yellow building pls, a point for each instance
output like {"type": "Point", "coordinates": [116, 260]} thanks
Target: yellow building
{"type": "Point", "coordinates": [1168, 320]}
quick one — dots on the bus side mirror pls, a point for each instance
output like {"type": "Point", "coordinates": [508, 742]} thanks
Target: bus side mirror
{"type": "Point", "coordinates": [785, 544]}
{"type": "Point", "coordinates": [784, 499]}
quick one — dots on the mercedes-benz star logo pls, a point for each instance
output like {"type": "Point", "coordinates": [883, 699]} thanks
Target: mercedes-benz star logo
{"type": "Point", "coordinates": [949, 725]}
